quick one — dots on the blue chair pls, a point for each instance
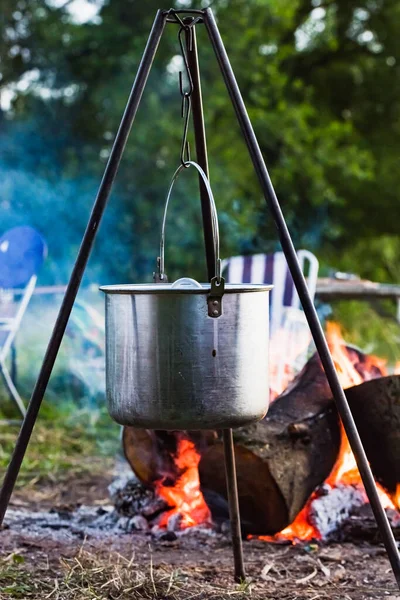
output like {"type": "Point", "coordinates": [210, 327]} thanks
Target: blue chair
{"type": "Point", "coordinates": [22, 252]}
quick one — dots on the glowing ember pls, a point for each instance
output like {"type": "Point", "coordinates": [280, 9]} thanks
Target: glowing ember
{"type": "Point", "coordinates": [185, 497]}
{"type": "Point", "coordinates": [345, 470]}
{"type": "Point", "coordinates": [300, 530]}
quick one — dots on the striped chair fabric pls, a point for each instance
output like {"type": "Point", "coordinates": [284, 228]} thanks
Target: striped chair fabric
{"type": "Point", "coordinates": [289, 332]}
{"type": "Point", "coordinates": [273, 269]}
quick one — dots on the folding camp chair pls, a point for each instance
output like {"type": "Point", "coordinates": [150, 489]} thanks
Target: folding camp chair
{"type": "Point", "coordinates": [22, 251]}
{"type": "Point", "coordinates": [290, 335]}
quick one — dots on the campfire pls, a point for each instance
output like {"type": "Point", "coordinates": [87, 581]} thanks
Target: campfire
{"type": "Point", "coordinates": [345, 472]}
{"type": "Point", "coordinates": [281, 496]}
{"type": "Point", "coordinates": [188, 503]}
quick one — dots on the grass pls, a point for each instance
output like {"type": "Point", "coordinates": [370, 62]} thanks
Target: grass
{"type": "Point", "coordinates": [90, 576]}
{"type": "Point", "coordinates": [66, 443]}
{"type": "Point", "coordinates": [17, 582]}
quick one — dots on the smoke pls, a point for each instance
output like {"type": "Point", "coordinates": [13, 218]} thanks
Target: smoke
{"type": "Point", "coordinates": [36, 190]}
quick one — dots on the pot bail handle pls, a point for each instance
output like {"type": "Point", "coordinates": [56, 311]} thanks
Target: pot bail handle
{"type": "Point", "coordinates": [214, 299]}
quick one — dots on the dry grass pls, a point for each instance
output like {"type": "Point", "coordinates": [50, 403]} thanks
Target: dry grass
{"type": "Point", "coordinates": [89, 576]}
{"type": "Point", "coordinates": [98, 575]}
{"type": "Point", "coordinates": [120, 579]}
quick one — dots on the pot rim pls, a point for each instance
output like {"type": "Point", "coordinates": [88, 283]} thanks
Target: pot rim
{"type": "Point", "coordinates": [166, 288]}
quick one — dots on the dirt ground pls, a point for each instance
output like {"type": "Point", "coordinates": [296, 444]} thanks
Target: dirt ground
{"type": "Point", "coordinates": [196, 565]}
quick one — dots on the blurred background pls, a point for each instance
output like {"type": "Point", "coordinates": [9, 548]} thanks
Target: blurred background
{"type": "Point", "coordinates": [321, 81]}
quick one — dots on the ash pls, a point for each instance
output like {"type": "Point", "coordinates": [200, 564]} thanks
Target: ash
{"type": "Point", "coordinates": [334, 506]}
{"type": "Point", "coordinates": [135, 508]}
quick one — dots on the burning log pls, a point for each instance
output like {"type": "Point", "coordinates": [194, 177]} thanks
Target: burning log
{"type": "Point", "coordinates": [282, 459]}
{"type": "Point", "coordinates": [376, 409]}
{"type": "Point", "coordinates": [285, 457]}
{"type": "Point", "coordinates": [152, 455]}
{"type": "Point", "coordinates": [360, 525]}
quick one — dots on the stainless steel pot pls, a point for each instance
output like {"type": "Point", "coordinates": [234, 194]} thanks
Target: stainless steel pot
{"type": "Point", "coordinates": [187, 355]}
{"type": "Point", "coordinates": [171, 366]}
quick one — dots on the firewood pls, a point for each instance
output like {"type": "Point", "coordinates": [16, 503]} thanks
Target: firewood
{"type": "Point", "coordinates": [375, 406]}
{"type": "Point", "coordinates": [282, 459]}
{"type": "Point", "coordinates": [297, 445]}
{"type": "Point", "coordinates": [151, 454]}
{"type": "Point", "coordinates": [361, 526]}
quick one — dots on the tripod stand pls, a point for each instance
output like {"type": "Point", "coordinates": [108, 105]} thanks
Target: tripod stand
{"type": "Point", "coordinates": [194, 17]}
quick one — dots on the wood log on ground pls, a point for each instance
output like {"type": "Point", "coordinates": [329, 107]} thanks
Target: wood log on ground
{"type": "Point", "coordinates": [150, 453]}
{"type": "Point", "coordinates": [361, 526]}
{"type": "Point", "coordinates": [284, 457]}
{"type": "Point", "coordinates": [297, 445]}
{"type": "Point", "coordinates": [376, 409]}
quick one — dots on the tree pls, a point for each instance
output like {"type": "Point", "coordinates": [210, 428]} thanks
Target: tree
{"type": "Point", "coordinates": [321, 83]}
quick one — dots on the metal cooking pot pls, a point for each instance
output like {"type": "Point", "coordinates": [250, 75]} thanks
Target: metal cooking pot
{"type": "Point", "coordinates": [187, 355]}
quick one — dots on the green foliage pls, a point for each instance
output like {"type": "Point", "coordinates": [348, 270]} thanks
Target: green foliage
{"type": "Point", "coordinates": [321, 83]}
{"type": "Point", "coordinates": [371, 327]}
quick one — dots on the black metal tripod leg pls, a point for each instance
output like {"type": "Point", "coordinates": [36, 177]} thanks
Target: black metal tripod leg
{"type": "Point", "coordinates": [308, 306]}
{"type": "Point", "coordinates": [233, 502]}
{"type": "Point", "coordinates": [201, 149]}
{"type": "Point", "coordinates": [202, 159]}
{"type": "Point", "coordinates": [81, 261]}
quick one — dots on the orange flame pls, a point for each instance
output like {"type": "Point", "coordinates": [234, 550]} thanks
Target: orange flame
{"type": "Point", "coordinates": [185, 496]}
{"type": "Point", "coordinates": [396, 497]}
{"type": "Point", "coordinates": [300, 530]}
{"type": "Point", "coordinates": [345, 470]}
{"type": "Point", "coordinates": [186, 499]}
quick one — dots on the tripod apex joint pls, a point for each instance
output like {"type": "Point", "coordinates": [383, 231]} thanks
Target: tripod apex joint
{"type": "Point", "coordinates": [188, 21]}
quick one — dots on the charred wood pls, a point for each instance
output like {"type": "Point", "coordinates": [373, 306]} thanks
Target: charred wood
{"type": "Point", "coordinates": [282, 459]}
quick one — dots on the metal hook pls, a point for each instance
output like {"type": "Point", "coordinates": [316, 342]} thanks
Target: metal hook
{"type": "Point", "coordinates": [185, 148]}
{"type": "Point", "coordinates": [186, 94]}
{"type": "Point", "coordinates": [187, 29]}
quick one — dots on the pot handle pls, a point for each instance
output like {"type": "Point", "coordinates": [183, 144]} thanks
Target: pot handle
{"type": "Point", "coordinates": [214, 218]}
